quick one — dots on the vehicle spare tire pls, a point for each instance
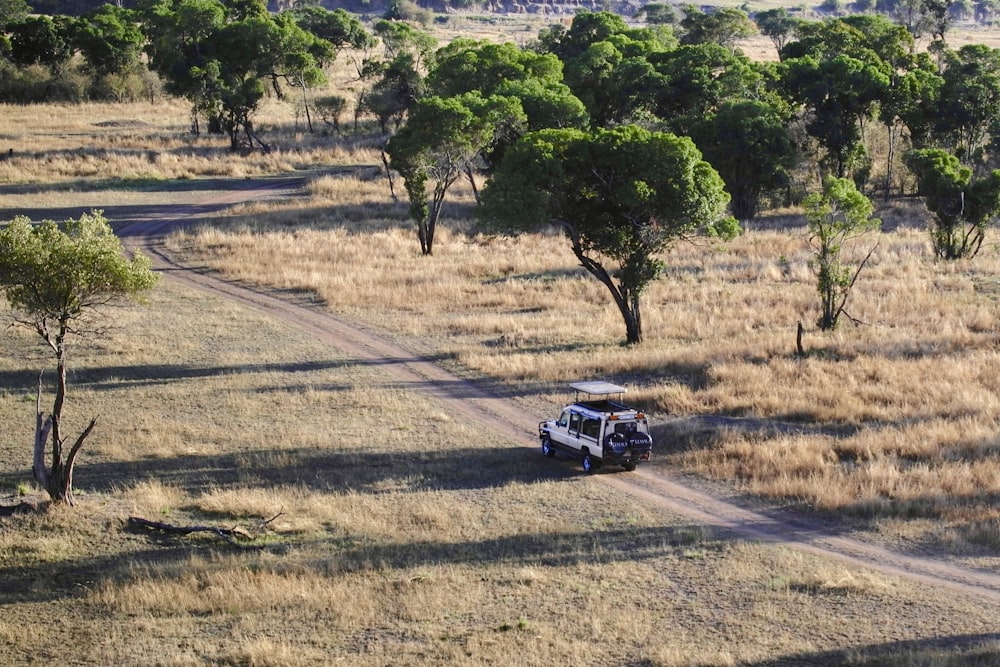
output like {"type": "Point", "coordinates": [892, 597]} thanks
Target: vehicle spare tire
{"type": "Point", "coordinates": [617, 443]}
{"type": "Point", "coordinates": [639, 442]}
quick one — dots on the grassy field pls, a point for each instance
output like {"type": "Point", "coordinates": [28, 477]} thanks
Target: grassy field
{"type": "Point", "coordinates": [438, 543]}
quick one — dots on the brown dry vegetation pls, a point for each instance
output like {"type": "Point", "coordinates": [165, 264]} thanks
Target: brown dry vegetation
{"type": "Point", "coordinates": [406, 536]}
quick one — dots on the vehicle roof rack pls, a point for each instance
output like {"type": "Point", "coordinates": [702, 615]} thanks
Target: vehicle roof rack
{"type": "Point", "coordinates": [598, 388]}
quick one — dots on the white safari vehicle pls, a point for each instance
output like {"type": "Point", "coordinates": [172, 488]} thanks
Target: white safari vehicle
{"type": "Point", "coordinates": [598, 428]}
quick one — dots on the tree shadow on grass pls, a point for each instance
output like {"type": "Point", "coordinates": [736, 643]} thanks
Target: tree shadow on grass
{"type": "Point", "coordinates": [978, 650]}
{"type": "Point", "coordinates": [367, 467]}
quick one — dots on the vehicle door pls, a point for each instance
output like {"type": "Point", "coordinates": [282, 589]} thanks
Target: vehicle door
{"type": "Point", "coordinates": [559, 431]}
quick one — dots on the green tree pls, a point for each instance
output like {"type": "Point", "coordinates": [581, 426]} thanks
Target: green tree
{"type": "Point", "coordinates": [40, 40]}
{"type": "Point", "coordinates": [621, 195]}
{"type": "Point", "coordinates": [465, 65]}
{"type": "Point", "coordinates": [839, 94]}
{"type": "Point", "coordinates": [57, 280]}
{"type": "Point", "coordinates": [724, 26]}
{"type": "Point", "coordinates": [969, 103]}
{"type": "Point", "coordinates": [535, 80]}
{"type": "Point", "coordinates": [441, 140]}
{"type": "Point", "coordinates": [748, 143]}
{"type": "Point", "coordinates": [220, 56]}
{"type": "Point", "coordinates": [111, 40]}
{"type": "Point", "coordinates": [696, 79]}
{"type": "Point", "coordinates": [961, 206]}
{"type": "Point", "coordinates": [839, 221]}
{"type": "Point", "coordinates": [337, 28]}
{"type": "Point", "coordinates": [777, 25]}
{"type": "Point", "coordinates": [606, 64]}
{"type": "Point", "coordinates": [11, 11]}
{"type": "Point", "coordinates": [398, 75]}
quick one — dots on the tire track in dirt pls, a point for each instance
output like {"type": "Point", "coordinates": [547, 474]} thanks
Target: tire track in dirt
{"type": "Point", "coordinates": [476, 403]}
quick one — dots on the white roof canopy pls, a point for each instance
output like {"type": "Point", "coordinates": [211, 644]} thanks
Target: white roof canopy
{"type": "Point", "coordinates": [598, 388]}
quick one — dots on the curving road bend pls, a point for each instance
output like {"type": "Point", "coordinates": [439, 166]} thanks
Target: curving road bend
{"type": "Point", "coordinates": [146, 232]}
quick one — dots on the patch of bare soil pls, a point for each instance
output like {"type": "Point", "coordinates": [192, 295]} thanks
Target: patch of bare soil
{"type": "Point", "coordinates": [477, 403]}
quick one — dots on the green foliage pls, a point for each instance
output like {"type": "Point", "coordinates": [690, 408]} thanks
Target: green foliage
{"type": "Point", "coordinates": [534, 80]}
{"type": "Point", "coordinates": [748, 143]}
{"type": "Point", "coordinates": [51, 273]}
{"type": "Point", "coordinates": [839, 92]}
{"type": "Point", "coordinates": [398, 76]}
{"type": "Point", "coordinates": [441, 140]}
{"type": "Point", "coordinates": [695, 80]}
{"type": "Point", "coordinates": [607, 64]}
{"type": "Point", "coordinates": [111, 40]}
{"type": "Point", "coordinates": [777, 25]}
{"type": "Point", "coordinates": [838, 218]}
{"type": "Point", "coordinates": [40, 40]}
{"type": "Point", "coordinates": [961, 205]}
{"type": "Point", "coordinates": [219, 56]}
{"type": "Point", "coordinates": [338, 28]}
{"type": "Point", "coordinates": [724, 26]}
{"type": "Point", "coordinates": [622, 195]}
{"type": "Point", "coordinates": [465, 65]}
{"type": "Point", "coordinates": [969, 102]}
{"type": "Point", "coordinates": [12, 10]}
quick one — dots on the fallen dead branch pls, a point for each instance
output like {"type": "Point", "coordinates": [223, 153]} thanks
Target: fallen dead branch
{"type": "Point", "coordinates": [237, 535]}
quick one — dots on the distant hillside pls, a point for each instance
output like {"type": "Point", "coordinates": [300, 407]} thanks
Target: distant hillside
{"type": "Point", "coordinates": [379, 7]}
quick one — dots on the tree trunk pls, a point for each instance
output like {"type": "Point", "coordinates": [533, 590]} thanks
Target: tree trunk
{"type": "Point", "coordinates": [57, 480]}
{"type": "Point", "coordinates": [628, 303]}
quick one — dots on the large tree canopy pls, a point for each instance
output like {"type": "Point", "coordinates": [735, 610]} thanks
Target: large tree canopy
{"type": "Point", "coordinates": [56, 280]}
{"type": "Point", "coordinates": [748, 143]}
{"type": "Point", "coordinates": [220, 57]}
{"type": "Point", "coordinates": [622, 196]}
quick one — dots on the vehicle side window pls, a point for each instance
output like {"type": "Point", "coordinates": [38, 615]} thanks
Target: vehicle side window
{"type": "Point", "coordinates": [574, 422]}
{"type": "Point", "coordinates": [591, 427]}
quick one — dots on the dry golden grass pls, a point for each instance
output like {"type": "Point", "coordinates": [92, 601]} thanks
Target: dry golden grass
{"type": "Point", "coordinates": [895, 417]}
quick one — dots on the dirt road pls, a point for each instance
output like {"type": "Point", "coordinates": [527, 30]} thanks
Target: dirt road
{"type": "Point", "coordinates": [146, 232]}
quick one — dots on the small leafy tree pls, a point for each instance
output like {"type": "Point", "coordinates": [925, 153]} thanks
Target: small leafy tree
{"type": "Point", "coordinates": [57, 279]}
{"type": "Point", "coordinates": [961, 206]}
{"type": "Point", "coordinates": [622, 196]}
{"type": "Point", "coordinates": [778, 25]}
{"type": "Point", "coordinates": [839, 219]}
{"type": "Point", "coordinates": [439, 143]}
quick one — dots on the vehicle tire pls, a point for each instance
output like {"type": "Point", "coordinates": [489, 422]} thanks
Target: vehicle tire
{"type": "Point", "coordinates": [547, 448]}
{"type": "Point", "coordinates": [630, 466]}
{"type": "Point", "coordinates": [589, 465]}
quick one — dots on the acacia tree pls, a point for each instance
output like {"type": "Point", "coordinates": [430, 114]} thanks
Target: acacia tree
{"type": "Point", "coordinates": [57, 280]}
{"type": "Point", "coordinates": [962, 206]}
{"type": "Point", "coordinates": [439, 143]}
{"type": "Point", "coordinates": [111, 40]}
{"type": "Point", "coordinates": [749, 144]}
{"type": "Point", "coordinates": [778, 25]}
{"type": "Point", "coordinates": [839, 218]}
{"type": "Point", "coordinates": [220, 55]}
{"type": "Point", "coordinates": [621, 195]}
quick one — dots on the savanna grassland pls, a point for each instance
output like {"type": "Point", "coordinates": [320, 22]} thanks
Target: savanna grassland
{"type": "Point", "coordinates": [383, 530]}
